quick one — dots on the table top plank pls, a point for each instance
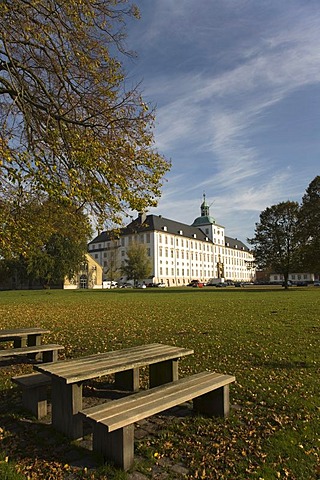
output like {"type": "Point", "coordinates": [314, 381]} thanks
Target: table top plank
{"type": "Point", "coordinates": [114, 357]}
{"type": "Point", "coordinates": [97, 365]}
{"type": "Point", "coordinates": [18, 332]}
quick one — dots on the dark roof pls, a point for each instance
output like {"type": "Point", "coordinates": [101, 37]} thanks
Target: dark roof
{"type": "Point", "coordinates": [159, 223]}
{"type": "Point", "coordinates": [150, 223]}
{"type": "Point", "coordinates": [235, 243]}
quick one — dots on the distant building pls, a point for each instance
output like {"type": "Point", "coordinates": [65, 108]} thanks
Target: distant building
{"type": "Point", "coordinates": [294, 278]}
{"type": "Point", "coordinates": [178, 252]}
{"type": "Point", "coordinates": [89, 275]}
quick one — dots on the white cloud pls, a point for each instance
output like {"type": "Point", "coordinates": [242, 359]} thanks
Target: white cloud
{"type": "Point", "coordinates": [209, 116]}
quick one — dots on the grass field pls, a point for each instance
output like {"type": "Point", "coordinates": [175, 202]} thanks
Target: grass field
{"type": "Point", "coordinates": [268, 338]}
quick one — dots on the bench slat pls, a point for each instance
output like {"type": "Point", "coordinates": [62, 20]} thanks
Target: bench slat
{"type": "Point", "coordinates": [123, 412]}
{"type": "Point", "coordinates": [17, 332]}
{"type": "Point", "coordinates": [9, 352]}
{"type": "Point", "coordinates": [31, 380]}
{"type": "Point", "coordinates": [34, 392]}
{"type": "Point", "coordinates": [98, 411]}
{"type": "Point", "coordinates": [113, 422]}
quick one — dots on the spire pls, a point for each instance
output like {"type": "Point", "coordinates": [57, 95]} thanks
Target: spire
{"type": "Point", "coordinates": [204, 208]}
{"type": "Point", "coordinates": [205, 218]}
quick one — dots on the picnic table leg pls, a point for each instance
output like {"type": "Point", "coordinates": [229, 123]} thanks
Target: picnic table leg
{"type": "Point", "coordinates": [163, 372]}
{"type": "Point", "coordinates": [66, 402]}
{"type": "Point", "coordinates": [34, 339]}
{"type": "Point", "coordinates": [117, 446]}
{"type": "Point", "coordinates": [19, 342]}
{"type": "Point", "coordinates": [215, 403]}
{"type": "Point", "coordinates": [50, 356]}
{"type": "Point", "coordinates": [35, 400]}
{"type": "Point", "coordinates": [128, 380]}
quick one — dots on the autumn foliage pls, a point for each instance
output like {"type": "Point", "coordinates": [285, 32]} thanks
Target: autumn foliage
{"type": "Point", "coordinates": [71, 125]}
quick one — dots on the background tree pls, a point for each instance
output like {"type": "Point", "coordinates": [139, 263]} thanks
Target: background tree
{"type": "Point", "coordinates": [309, 227]}
{"type": "Point", "coordinates": [69, 126]}
{"type": "Point", "coordinates": [50, 240]}
{"type": "Point", "coordinates": [276, 241]}
{"type": "Point", "coordinates": [113, 263]}
{"type": "Point", "coordinates": [59, 257]}
{"type": "Point", "coordinates": [137, 265]}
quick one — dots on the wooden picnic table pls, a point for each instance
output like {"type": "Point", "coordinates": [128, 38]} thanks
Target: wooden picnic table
{"type": "Point", "coordinates": [67, 377]}
{"type": "Point", "coordinates": [23, 337]}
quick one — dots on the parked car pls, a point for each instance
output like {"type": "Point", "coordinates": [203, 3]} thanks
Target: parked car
{"type": "Point", "coordinates": [161, 284]}
{"type": "Point", "coordinates": [192, 283]}
{"type": "Point", "coordinates": [196, 284]}
{"type": "Point", "coordinates": [109, 284]}
{"type": "Point", "coordinates": [125, 285]}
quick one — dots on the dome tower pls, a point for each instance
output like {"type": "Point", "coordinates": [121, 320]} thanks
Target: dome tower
{"type": "Point", "coordinates": [207, 223]}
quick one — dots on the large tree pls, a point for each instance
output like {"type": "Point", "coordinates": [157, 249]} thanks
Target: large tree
{"type": "Point", "coordinates": [50, 240]}
{"type": "Point", "coordinates": [137, 265]}
{"type": "Point", "coordinates": [276, 241]}
{"type": "Point", "coordinates": [309, 227]}
{"type": "Point", "coordinates": [71, 125]}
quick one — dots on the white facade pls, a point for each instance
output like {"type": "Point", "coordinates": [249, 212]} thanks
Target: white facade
{"type": "Point", "coordinates": [293, 277]}
{"type": "Point", "coordinates": [178, 253]}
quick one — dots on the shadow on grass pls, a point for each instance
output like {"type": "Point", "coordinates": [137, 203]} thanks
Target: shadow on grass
{"type": "Point", "coordinates": [35, 446]}
{"type": "Point", "coordinates": [283, 364]}
{"type": "Point", "coordinates": [28, 439]}
{"type": "Point", "coordinates": [96, 389]}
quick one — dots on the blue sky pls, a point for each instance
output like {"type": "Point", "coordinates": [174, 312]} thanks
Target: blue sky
{"type": "Point", "coordinates": [236, 86]}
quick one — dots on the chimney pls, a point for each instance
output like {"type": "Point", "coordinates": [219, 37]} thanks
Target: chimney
{"type": "Point", "coordinates": [142, 217]}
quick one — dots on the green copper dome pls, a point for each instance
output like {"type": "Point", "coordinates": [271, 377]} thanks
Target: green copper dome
{"type": "Point", "coordinates": [205, 218]}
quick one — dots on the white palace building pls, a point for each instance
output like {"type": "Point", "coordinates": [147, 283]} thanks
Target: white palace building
{"type": "Point", "coordinates": [178, 253]}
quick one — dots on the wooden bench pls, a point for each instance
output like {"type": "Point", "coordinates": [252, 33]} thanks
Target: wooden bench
{"type": "Point", "coordinates": [49, 352]}
{"type": "Point", "coordinates": [113, 422]}
{"type": "Point", "coordinates": [22, 337]}
{"type": "Point", "coordinates": [34, 392]}
{"type": "Point", "coordinates": [68, 377]}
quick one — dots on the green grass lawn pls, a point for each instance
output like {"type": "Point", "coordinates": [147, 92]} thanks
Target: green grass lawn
{"type": "Point", "coordinates": [268, 338]}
